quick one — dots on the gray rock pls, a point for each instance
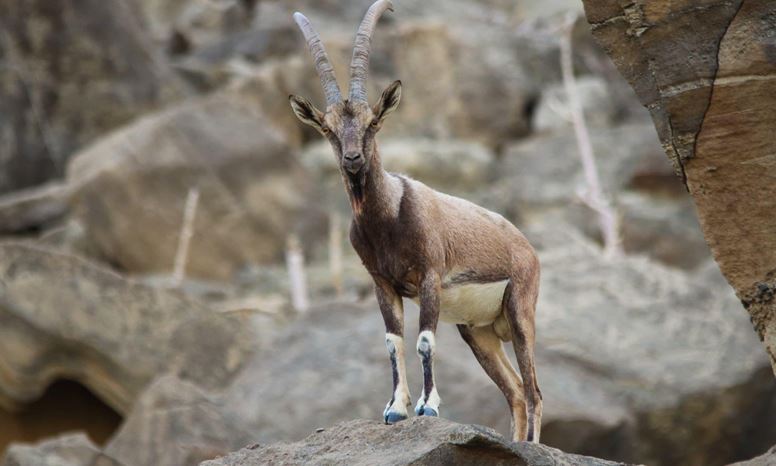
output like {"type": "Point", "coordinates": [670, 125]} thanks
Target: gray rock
{"type": "Point", "coordinates": [131, 186]}
{"type": "Point", "coordinates": [63, 316]}
{"type": "Point", "coordinates": [420, 441]}
{"type": "Point", "coordinates": [187, 423]}
{"type": "Point", "coordinates": [665, 229]}
{"type": "Point", "coordinates": [184, 25]}
{"type": "Point", "coordinates": [55, 59]}
{"type": "Point", "coordinates": [552, 113]}
{"type": "Point", "coordinates": [66, 450]}
{"type": "Point", "coordinates": [545, 170]}
{"type": "Point", "coordinates": [33, 208]}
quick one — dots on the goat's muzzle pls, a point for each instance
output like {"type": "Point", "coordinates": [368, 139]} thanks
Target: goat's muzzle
{"type": "Point", "coordinates": [353, 162]}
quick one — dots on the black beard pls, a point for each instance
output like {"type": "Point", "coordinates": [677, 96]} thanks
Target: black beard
{"type": "Point", "coordinates": [356, 183]}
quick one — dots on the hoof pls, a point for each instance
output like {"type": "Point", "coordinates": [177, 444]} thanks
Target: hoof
{"type": "Point", "coordinates": [392, 417]}
{"type": "Point", "coordinates": [426, 411]}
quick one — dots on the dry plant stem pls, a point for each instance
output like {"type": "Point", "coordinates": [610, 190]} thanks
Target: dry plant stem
{"type": "Point", "coordinates": [296, 275]}
{"type": "Point", "coordinates": [335, 252]}
{"type": "Point", "coordinates": [593, 197]}
{"type": "Point", "coordinates": [184, 240]}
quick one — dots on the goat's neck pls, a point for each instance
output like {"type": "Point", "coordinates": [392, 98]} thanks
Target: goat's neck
{"type": "Point", "coordinates": [382, 194]}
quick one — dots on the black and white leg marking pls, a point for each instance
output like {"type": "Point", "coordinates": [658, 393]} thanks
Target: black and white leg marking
{"type": "Point", "coordinates": [428, 403]}
{"type": "Point", "coordinates": [396, 409]}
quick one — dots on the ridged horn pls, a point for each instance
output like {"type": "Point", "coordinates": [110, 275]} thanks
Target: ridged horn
{"type": "Point", "coordinates": [359, 66]}
{"type": "Point", "coordinates": [322, 63]}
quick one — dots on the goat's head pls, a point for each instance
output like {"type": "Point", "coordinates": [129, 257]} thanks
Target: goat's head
{"type": "Point", "coordinates": [349, 124]}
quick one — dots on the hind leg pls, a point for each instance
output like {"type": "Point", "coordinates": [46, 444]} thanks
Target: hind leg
{"type": "Point", "coordinates": [519, 308]}
{"type": "Point", "coordinates": [489, 351]}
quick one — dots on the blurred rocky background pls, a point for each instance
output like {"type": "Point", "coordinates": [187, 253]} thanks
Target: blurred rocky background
{"type": "Point", "coordinates": [159, 203]}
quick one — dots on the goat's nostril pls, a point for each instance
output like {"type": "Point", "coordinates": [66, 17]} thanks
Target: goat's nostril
{"type": "Point", "coordinates": [352, 156]}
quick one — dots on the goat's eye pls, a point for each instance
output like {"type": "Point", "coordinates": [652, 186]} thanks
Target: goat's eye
{"type": "Point", "coordinates": [324, 130]}
{"type": "Point", "coordinates": [375, 122]}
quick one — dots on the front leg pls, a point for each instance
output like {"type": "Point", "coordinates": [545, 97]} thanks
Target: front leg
{"type": "Point", "coordinates": [393, 314]}
{"type": "Point", "coordinates": [430, 289]}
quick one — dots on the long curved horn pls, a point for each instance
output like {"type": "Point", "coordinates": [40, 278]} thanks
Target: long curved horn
{"type": "Point", "coordinates": [322, 64]}
{"type": "Point", "coordinates": [359, 66]}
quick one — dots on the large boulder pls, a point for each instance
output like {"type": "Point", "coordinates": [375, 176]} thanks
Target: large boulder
{"type": "Point", "coordinates": [57, 56]}
{"type": "Point", "coordinates": [64, 317]}
{"type": "Point", "coordinates": [188, 423]}
{"type": "Point", "coordinates": [683, 340]}
{"type": "Point", "coordinates": [705, 72]}
{"type": "Point", "coordinates": [74, 449]}
{"type": "Point", "coordinates": [420, 441]}
{"type": "Point", "coordinates": [546, 170]}
{"type": "Point", "coordinates": [130, 188]}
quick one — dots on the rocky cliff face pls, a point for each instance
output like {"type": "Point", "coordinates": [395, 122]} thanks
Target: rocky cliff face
{"type": "Point", "coordinates": [706, 72]}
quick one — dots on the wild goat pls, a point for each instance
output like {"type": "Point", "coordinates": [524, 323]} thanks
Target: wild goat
{"type": "Point", "coordinates": [462, 263]}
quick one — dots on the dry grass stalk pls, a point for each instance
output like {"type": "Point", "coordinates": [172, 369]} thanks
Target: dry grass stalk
{"type": "Point", "coordinates": [296, 275]}
{"type": "Point", "coordinates": [184, 239]}
{"type": "Point", "coordinates": [593, 196]}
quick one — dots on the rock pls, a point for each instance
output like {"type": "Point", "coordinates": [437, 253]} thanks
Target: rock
{"type": "Point", "coordinates": [66, 450]}
{"type": "Point", "coordinates": [705, 73]}
{"type": "Point", "coordinates": [420, 441]}
{"type": "Point", "coordinates": [186, 25]}
{"type": "Point", "coordinates": [683, 340]}
{"type": "Point", "coordinates": [130, 187]}
{"type": "Point", "coordinates": [33, 208]}
{"type": "Point", "coordinates": [664, 228]}
{"type": "Point", "coordinates": [56, 57]}
{"type": "Point", "coordinates": [210, 66]}
{"type": "Point", "coordinates": [766, 459]}
{"type": "Point", "coordinates": [64, 317]}
{"type": "Point", "coordinates": [540, 178]}
{"type": "Point", "coordinates": [545, 170]}
{"type": "Point", "coordinates": [188, 426]}
{"type": "Point", "coordinates": [552, 112]}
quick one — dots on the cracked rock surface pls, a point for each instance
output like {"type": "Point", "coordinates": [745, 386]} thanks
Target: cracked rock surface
{"type": "Point", "coordinates": [706, 72]}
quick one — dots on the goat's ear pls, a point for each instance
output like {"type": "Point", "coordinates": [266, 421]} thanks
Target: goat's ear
{"type": "Point", "coordinates": [306, 112]}
{"type": "Point", "coordinates": [388, 101]}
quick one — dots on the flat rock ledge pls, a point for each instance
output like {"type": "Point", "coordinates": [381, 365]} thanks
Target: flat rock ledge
{"type": "Point", "coordinates": [417, 441]}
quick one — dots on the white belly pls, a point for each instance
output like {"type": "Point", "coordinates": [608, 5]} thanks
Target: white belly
{"type": "Point", "coordinates": [475, 304]}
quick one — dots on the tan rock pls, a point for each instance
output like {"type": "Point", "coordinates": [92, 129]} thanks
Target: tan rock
{"type": "Point", "coordinates": [706, 72]}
